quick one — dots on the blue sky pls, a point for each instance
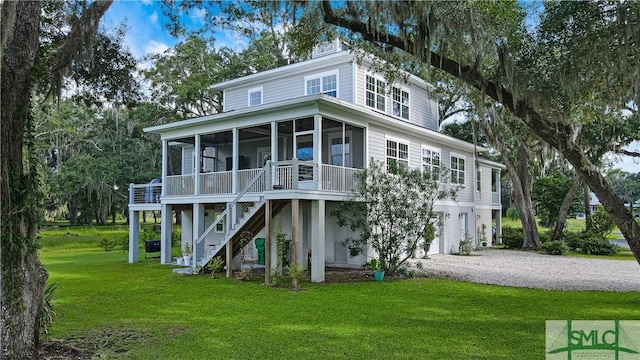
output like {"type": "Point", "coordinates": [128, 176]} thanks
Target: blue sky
{"type": "Point", "coordinates": [147, 35]}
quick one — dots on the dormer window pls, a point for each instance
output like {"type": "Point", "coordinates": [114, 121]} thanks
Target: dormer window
{"type": "Point", "coordinates": [326, 83]}
{"type": "Point", "coordinates": [375, 93]}
{"type": "Point", "coordinates": [255, 96]}
{"type": "Point", "coordinates": [400, 103]}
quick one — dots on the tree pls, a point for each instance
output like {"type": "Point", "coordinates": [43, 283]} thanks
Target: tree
{"type": "Point", "coordinates": [23, 66]}
{"type": "Point", "coordinates": [394, 211]}
{"type": "Point", "coordinates": [541, 76]}
{"type": "Point", "coordinates": [546, 193]}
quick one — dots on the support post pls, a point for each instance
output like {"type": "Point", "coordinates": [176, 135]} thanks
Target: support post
{"type": "Point", "coordinates": [234, 160]}
{"type": "Point", "coordinates": [134, 235]}
{"type": "Point", "coordinates": [295, 212]}
{"type": "Point", "coordinates": [198, 165]}
{"type": "Point", "coordinates": [166, 227]}
{"type": "Point", "coordinates": [229, 253]}
{"type": "Point", "coordinates": [317, 240]}
{"type": "Point", "coordinates": [267, 245]}
{"type": "Point", "coordinates": [198, 230]}
{"type": "Point", "coordinates": [165, 164]}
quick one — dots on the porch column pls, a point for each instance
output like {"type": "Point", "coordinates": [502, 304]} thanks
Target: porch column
{"type": "Point", "coordinates": [197, 166]}
{"type": "Point", "coordinates": [274, 149]}
{"type": "Point", "coordinates": [317, 149]}
{"type": "Point", "coordinates": [295, 211]}
{"type": "Point", "coordinates": [134, 235]}
{"type": "Point", "coordinates": [198, 229]}
{"type": "Point", "coordinates": [229, 255]}
{"type": "Point", "coordinates": [166, 227]}
{"type": "Point", "coordinates": [317, 240]}
{"type": "Point", "coordinates": [498, 214]}
{"type": "Point", "coordinates": [267, 242]}
{"type": "Point", "coordinates": [165, 164]}
{"type": "Point", "coordinates": [187, 228]}
{"type": "Point", "coordinates": [234, 158]}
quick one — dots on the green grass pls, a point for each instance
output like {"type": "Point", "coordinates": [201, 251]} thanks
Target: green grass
{"type": "Point", "coordinates": [144, 311]}
{"type": "Point", "coordinates": [624, 254]}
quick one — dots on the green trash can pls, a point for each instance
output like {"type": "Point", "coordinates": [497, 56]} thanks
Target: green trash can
{"type": "Point", "coordinates": [260, 248]}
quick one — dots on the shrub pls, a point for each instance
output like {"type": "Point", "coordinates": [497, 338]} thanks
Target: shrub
{"type": "Point", "coordinates": [47, 312]}
{"type": "Point", "coordinates": [601, 223]}
{"type": "Point", "coordinates": [296, 272]}
{"type": "Point", "coordinates": [555, 247]}
{"type": "Point", "coordinates": [512, 214]}
{"type": "Point", "coordinates": [465, 245]}
{"type": "Point", "coordinates": [148, 233]}
{"type": "Point", "coordinates": [545, 236]}
{"type": "Point", "coordinates": [176, 237]}
{"type": "Point", "coordinates": [108, 243]}
{"type": "Point", "coordinates": [573, 240]}
{"type": "Point", "coordinates": [244, 275]}
{"type": "Point", "coordinates": [512, 238]}
{"type": "Point", "coordinates": [598, 246]}
{"type": "Point", "coordinates": [215, 265]}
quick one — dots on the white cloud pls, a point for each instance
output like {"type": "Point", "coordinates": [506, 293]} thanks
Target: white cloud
{"type": "Point", "coordinates": [154, 17]}
{"type": "Point", "coordinates": [147, 2]}
{"type": "Point", "coordinates": [155, 47]}
{"type": "Point", "coordinates": [198, 15]}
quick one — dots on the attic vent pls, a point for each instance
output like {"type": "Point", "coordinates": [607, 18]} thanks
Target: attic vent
{"type": "Point", "coordinates": [324, 49]}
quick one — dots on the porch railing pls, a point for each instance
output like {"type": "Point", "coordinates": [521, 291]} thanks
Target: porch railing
{"type": "Point", "coordinates": [338, 178]}
{"type": "Point", "coordinates": [145, 193]}
{"type": "Point", "coordinates": [216, 183]}
{"type": "Point", "coordinates": [289, 174]}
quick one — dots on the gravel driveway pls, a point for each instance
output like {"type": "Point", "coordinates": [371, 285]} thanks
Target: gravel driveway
{"type": "Point", "coordinates": [533, 270]}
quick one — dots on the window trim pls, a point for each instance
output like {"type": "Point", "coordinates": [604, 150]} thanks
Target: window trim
{"type": "Point", "coordinates": [393, 101]}
{"type": "Point", "coordinates": [397, 141]}
{"type": "Point", "coordinates": [433, 150]}
{"type": "Point", "coordinates": [384, 94]}
{"type": "Point", "coordinates": [464, 172]}
{"type": "Point", "coordinates": [320, 76]}
{"type": "Point", "coordinates": [253, 91]}
{"type": "Point", "coordinates": [479, 180]}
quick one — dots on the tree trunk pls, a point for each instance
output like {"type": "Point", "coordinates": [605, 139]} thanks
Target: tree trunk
{"type": "Point", "coordinates": [23, 277]}
{"type": "Point", "coordinates": [521, 199]}
{"type": "Point", "coordinates": [587, 207]}
{"type": "Point", "coordinates": [73, 213]}
{"type": "Point", "coordinates": [564, 209]}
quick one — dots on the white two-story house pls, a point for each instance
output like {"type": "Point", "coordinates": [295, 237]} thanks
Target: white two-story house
{"type": "Point", "coordinates": [286, 150]}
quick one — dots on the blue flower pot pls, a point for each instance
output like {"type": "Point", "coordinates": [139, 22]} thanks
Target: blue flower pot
{"type": "Point", "coordinates": [378, 275]}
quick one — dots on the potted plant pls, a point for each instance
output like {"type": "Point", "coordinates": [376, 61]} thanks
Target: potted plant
{"type": "Point", "coordinates": [378, 268]}
{"type": "Point", "coordinates": [429, 235]}
{"type": "Point", "coordinates": [186, 254]}
{"type": "Point", "coordinates": [483, 238]}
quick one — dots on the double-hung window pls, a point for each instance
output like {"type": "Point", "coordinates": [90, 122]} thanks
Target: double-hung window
{"type": "Point", "coordinates": [322, 84]}
{"type": "Point", "coordinates": [375, 93]}
{"type": "Point", "coordinates": [400, 101]}
{"type": "Point", "coordinates": [431, 162]}
{"type": "Point", "coordinates": [397, 155]}
{"type": "Point", "coordinates": [255, 96]}
{"type": "Point", "coordinates": [457, 169]}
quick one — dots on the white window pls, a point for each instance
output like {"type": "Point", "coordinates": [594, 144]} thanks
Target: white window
{"type": "Point", "coordinates": [322, 84]}
{"type": "Point", "coordinates": [324, 48]}
{"type": "Point", "coordinates": [400, 101]}
{"type": "Point", "coordinates": [375, 93]}
{"type": "Point", "coordinates": [255, 96]}
{"type": "Point", "coordinates": [457, 169]}
{"type": "Point", "coordinates": [431, 162]}
{"type": "Point", "coordinates": [478, 180]}
{"type": "Point", "coordinates": [397, 154]}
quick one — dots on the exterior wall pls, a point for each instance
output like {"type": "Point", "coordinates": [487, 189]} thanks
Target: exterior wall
{"type": "Point", "coordinates": [377, 151]}
{"type": "Point", "coordinates": [423, 107]}
{"type": "Point", "coordinates": [289, 87]}
{"type": "Point", "coordinates": [337, 254]}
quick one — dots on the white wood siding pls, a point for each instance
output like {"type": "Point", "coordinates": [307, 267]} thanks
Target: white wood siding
{"type": "Point", "coordinates": [289, 87]}
{"type": "Point", "coordinates": [423, 107]}
{"type": "Point", "coordinates": [377, 151]}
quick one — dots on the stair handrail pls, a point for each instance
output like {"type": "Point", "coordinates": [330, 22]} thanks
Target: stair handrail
{"type": "Point", "coordinates": [233, 203]}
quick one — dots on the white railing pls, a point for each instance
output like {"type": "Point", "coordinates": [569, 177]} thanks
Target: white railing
{"type": "Point", "coordinates": [495, 198]}
{"type": "Point", "coordinates": [145, 193]}
{"type": "Point", "coordinates": [338, 178]}
{"type": "Point", "coordinates": [216, 183]}
{"type": "Point", "coordinates": [178, 185]}
{"type": "Point", "coordinates": [246, 176]}
{"type": "Point", "coordinates": [288, 174]}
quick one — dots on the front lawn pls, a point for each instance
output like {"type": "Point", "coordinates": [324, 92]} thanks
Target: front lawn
{"type": "Point", "coordinates": [144, 311]}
